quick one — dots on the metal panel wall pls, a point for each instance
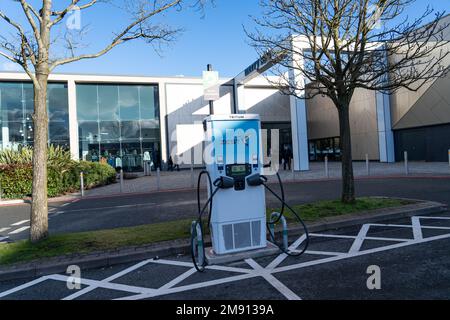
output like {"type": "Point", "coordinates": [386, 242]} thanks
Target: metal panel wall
{"type": "Point", "coordinates": [423, 144]}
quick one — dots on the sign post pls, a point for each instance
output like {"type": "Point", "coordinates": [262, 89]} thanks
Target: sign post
{"type": "Point", "coordinates": [211, 87]}
{"type": "Point", "coordinates": [367, 165]}
{"type": "Point", "coordinates": [406, 162]}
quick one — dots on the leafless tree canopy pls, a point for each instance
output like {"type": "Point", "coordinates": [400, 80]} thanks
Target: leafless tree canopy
{"type": "Point", "coordinates": [39, 40]}
{"type": "Point", "coordinates": [348, 42]}
{"type": "Point", "coordinates": [24, 43]}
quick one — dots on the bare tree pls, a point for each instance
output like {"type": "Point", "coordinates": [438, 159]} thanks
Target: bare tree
{"type": "Point", "coordinates": [338, 46]}
{"type": "Point", "coordinates": [34, 46]}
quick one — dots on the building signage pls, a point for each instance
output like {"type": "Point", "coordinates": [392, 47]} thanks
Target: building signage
{"type": "Point", "coordinates": [211, 86]}
{"type": "Point", "coordinates": [258, 64]}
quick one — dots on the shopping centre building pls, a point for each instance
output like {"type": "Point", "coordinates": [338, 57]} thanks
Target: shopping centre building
{"type": "Point", "coordinates": [111, 117]}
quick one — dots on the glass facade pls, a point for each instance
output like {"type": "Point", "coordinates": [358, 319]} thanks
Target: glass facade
{"type": "Point", "coordinates": [328, 147]}
{"type": "Point", "coordinates": [16, 110]}
{"type": "Point", "coordinates": [118, 124]}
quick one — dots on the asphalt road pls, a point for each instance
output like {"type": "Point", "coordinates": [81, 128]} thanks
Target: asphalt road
{"type": "Point", "coordinates": [131, 210]}
{"type": "Point", "coordinates": [411, 255]}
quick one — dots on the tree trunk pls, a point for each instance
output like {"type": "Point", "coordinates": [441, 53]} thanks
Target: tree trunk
{"type": "Point", "coordinates": [39, 206]}
{"type": "Point", "coordinates": [348, 182]}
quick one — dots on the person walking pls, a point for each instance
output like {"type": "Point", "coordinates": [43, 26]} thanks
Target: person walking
{"type": "Point", "coordinates": [147, 164]}
{"type": "Point", "coordinates": [286, 155]}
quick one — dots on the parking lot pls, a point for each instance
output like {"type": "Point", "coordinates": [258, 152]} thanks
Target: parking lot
{"type": "Point", "coordinates": [412, 254]}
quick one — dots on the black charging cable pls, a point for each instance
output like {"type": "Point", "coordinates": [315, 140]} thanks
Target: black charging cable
{"type": "Point", "coordinates": [256, 180]}
{"type": "Point", "coordinates": [220, 183]}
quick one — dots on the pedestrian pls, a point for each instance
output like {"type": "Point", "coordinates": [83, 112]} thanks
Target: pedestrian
{"type": "Point", "coordinates": [286, 155]}
{"type": "Point", "coordinates": [170, 164]}
{"type": "Point", "coordinates": [147, 164]}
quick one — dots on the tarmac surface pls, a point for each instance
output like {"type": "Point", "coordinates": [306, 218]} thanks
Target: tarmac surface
{"type": "Point", "coordinates": [410, 258]}
{"type": "Point", "coordinates": [138, 209]}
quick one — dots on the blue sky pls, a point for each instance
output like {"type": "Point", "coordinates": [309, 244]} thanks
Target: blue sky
{"type": "Point", "coordinates": [217, 38]}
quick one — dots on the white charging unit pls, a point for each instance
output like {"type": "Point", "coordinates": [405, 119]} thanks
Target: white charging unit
{"type": "Point", "coordinates": [234, 149]}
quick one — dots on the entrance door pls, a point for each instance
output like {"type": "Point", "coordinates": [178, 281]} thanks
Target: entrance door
{"type": "Point", "coordinates": [285, 136]}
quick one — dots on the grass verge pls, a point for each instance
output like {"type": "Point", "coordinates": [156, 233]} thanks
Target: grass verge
{"type": "Point", "coordinates": [322, 209]}
{"type": "Point", "coordinates": [86, 242]}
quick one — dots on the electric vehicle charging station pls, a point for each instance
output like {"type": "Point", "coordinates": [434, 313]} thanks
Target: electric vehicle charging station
{"type": "Point", "coordinates": [238, 221]}
{"type": "Point", "coordinates": [236, 194]}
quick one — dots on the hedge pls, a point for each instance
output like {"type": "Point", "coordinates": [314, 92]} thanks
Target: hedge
{"type": "Point", "coordinates": [16, 179]}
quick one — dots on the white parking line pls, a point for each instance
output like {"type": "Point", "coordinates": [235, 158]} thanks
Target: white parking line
{"type": "Point", "coordinates": [277, 284]}
{"type": "Point", "coordinates": [19, 230]}
{"type": "Point", "coordinates": [338, 236]}
{"type": "Point", "coordinates": [178, 279]}
{"type": "Point", "coordinates": [359, 239]}
{"type": "Point", "coordinates": [417, 230]}
{"type": "Point", "coordinates": [20, 222]}
{"type": "Point", "coordinates": [322, 253]}
{"type": "Point", "coordinates": [106, 285]}
{"type": "Point", "coordinates": [436, 218]}
{"type": "Point", "coordinates": [24, 286]}
{"type": "Point", "coordinates": [358, 254]}
{"type": "Point", "coordinates": [257, 270]}
{"type": "Point", "coordinates": [190, 287]}
{"type": "Point", "coordinates": [4, 229]}
{"type": "Point", "coordinates": [3, 238]}
{"type": "Point", "coordinates": [283, 256]}
{"type": "Point", "coordinates": [408, 226]}
{"type": "Point", "coordinates": [109, 279]}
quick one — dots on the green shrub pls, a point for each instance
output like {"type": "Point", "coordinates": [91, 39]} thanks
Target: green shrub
{"type": "Point", "coordinates": [95, 174]}
{"type": "Point", "coordinates": [16, 173]}
{"type": "Point", "coordinates": [16, 180]}
{"type": "Point", "coordinates": [58, 157]}
{"type": "Point", "coordinates": [22, 156]}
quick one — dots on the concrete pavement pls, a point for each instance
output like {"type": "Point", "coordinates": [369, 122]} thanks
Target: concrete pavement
{"type": "Point", "coordinates": [183, 179]}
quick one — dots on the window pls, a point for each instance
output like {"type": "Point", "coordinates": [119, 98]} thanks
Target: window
{"type": "Point", "coordinates": [129, 102]}
{"type": "Point", "coordinates": [115, 121]}
{"type": "Point", "coordinates": [108, 102]}
{"type": "Point", "coordinates": [148, 103]}
{"type": "Point", "coordinates": [109, 130]}
{"type": "Point", "coordinates": [16, 114]}
{"type": "Point", "coordinates": [88, 131]}
{"type": "Point", "coordinates": [87, 102]}
{"type": "Point", "coordinates": [131, 129]}
{"type": "Point", "coordinates": [327, 147]}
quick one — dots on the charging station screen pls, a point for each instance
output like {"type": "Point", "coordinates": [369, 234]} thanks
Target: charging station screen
{"type": "Point", "coordinates": [238, 169]}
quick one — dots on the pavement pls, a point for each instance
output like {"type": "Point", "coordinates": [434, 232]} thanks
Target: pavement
{"type": "Point", "coordinates": [400, 259]}
{"type": "Point", "coordinates": [137, 209]}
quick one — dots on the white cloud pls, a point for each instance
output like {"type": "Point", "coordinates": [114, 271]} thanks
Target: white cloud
{"type": "Point", "coordinates": [10, 66]}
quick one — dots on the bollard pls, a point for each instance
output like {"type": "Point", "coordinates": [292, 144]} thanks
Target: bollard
{"type": "Point", "coordinates": [121, 180]}
{"type": "Point", "coordinates": [82, 183]}
{"type": "Point", "coordinates": [274, 217]}
{"type": "Point", "coordinates": [272, 230]}
{"type": "Point", "coordinates": [158, 179]}
{"type": "Point", "coordinates": [327, 173]}
{"type": "Point", "coordinates": [367, 165]}
{"type": "Point", "coordinates": [406, 163]}
{"type": "Point", "coordinates": [293, 172]}
{"type": "Point", "coordinates": [192, 176]}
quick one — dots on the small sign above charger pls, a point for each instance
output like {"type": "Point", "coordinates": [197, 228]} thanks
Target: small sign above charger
{"type": "Point", "coordinates": [211, 86]}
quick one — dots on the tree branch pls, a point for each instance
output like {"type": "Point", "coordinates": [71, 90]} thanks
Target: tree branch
{"type": "Point", "coordinates": [126, 35]}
